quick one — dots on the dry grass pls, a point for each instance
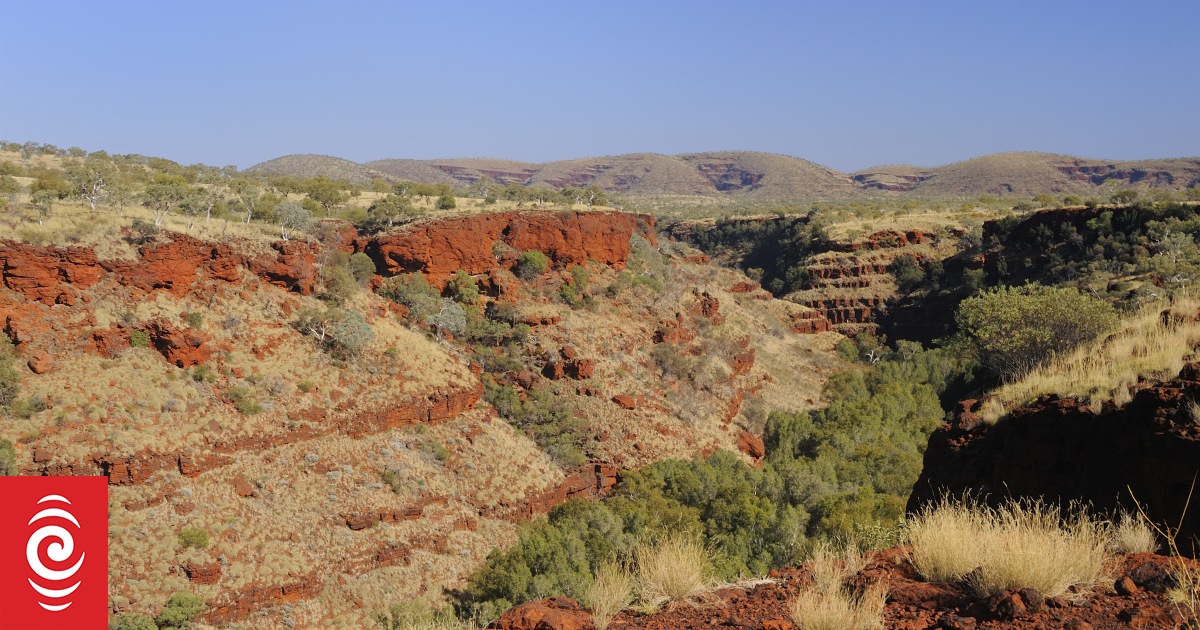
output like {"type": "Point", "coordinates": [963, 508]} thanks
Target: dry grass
{"type": "Point", "coordinates": [1021, 545]}
{"type": "Point", "coordinates": [1148, 345]}
{"type": "Point", "coordinates": [1131, 534]}
{"type": "Point", "coordinates": [611, 592]}
{"type": "Point", "coordinates": [672, 570]}
{"type": "Point", "coordinates": [1185, 595]}
{"type": "Point", "coordinates": [828, 605]}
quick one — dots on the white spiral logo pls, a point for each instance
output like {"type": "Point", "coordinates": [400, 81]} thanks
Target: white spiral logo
{"type": "Point", "coordinates": [59, 551]}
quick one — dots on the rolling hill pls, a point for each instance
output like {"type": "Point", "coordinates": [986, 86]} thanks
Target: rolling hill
{"type": "Point", "coordinates": [741, 176]}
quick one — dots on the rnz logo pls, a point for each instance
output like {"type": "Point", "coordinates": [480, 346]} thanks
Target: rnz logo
{"type": "Point", "coordinates": [54, 550]}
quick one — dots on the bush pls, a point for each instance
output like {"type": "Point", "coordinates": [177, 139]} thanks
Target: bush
{"type": "Point", "coordinates": [306, 386]}
{"type": "Point", "coordinates": [393, 480]}
{"type": "Point", "coordinates": [450, 318]}
{"type": "Point", "coordinates": [192, 537]}
{"type": "Point", "coordinates": [195, 319]}
{"type": "Point", "coordinates": [343, 334]}
{"type": "Point", "coordinates": [244, 401]}
{"type": "Point", "coordinates": [340, 284]}
{"type": "Point", "coordinates": [446, 202]}
{"type": "Point", "coordinates": [139, 339]}
{"type": "Point", "coordinates": [545, 418]}
{"type": "Point", "coordinates": [10, 381]}
{"type": "Point", "coordinates": [8, 458]}
{"type": "Point", "coordinates": [413, 291]}
{"type": "Point", "coordinates": [179, 610]}
{"type": "Point", "coordinates": [532, 264]}
{"type": "Point", "coordinates": [132, 621]}
{"type": "Point", "coordinates": [462, 288]}
{"type": "Point", "coordinates": [1016, 328]}
{"type": "Point", "coordinates": [361, 267]}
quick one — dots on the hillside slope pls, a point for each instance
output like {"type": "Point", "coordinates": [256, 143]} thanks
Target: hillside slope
{"type": "Point", "coordinates": [735, 176]}
{"type": "Point", "coordinates": [332, 485]}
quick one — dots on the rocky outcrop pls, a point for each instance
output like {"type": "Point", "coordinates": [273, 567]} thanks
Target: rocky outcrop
{"type": "Point", "coordinates": [591, 480]}
{"type": "Point", "coordinates": [136, 468]}
{"type": "Point", "coordinates": [556, 613]}
{"type": "Point", "coordinates": [55, 275]}
{"type": "Point", "coordinates": [851, 285]}
{"type": "Point", "coordinates": [440, 248]}
{"type": "Point", "coordinates": [183, 348]}
{"type": "Point", "coordinates": [1056, 448]}
{"type": "Point", "coordinates": [48, 274]}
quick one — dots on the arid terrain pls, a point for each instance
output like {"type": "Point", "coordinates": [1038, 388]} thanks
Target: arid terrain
{"type": "Point", "coordinates": [333, 397]}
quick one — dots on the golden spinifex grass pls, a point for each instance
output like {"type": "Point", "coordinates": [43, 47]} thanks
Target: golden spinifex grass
{"type": "Point", "coordinates": [674, 569]}
{"type": "Point", "coordinates": [1155, 342]}
{"type": "Point", "coordinates": [610, 593]}
{"type": "Point", "coordinates": [1019, 545]}
{"type": "Point", "coordinates": [1131, 534]}
{"type": "Point", "coordinates": [828, 604]}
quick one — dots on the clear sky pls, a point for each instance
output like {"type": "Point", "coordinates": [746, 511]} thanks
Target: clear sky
{"type": "Point", "coordinates": [847, 84]}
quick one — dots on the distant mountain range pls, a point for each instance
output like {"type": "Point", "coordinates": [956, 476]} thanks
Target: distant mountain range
{"type": "Point", "coordinates": [753, 176]}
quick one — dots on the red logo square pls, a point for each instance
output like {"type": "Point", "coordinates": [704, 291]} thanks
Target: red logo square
{"type": "Point", "coordinates": [53, 553]}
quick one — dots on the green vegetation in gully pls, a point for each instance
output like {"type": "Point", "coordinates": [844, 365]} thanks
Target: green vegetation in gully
{"type": "Point", "coordinates": [843, 471]}
{"type": "Point", "coordinates": [772, 250]}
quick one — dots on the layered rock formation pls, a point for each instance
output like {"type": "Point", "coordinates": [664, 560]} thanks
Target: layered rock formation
{"type": "Point", "coordinates": [481, 243]}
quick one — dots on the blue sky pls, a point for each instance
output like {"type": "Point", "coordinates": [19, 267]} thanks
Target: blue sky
{"type": "Point", "coordinates": [847, 84]}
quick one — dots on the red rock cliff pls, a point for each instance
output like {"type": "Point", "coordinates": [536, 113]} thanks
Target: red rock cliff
{"type": "Point", "coordinates": [439, 248]}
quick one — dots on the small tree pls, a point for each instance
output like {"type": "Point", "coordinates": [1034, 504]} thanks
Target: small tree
{"type": "Point", "coordinates": [164, 194]}
{"type": "Point", "coordinates": [446, 201]}
{"type": "Point", "coordinates": [327, 192]}
{"type": "Point", "coordinates": [89, 179]}
{"type": "Point", "coordinates": [532, 264]}
{"type": "Point", "coordinates": [413, 291]}
{"type": "Point", "coordinates": [462, 288]}
{"type": "Point", "coordinates": [292, 216]}
{"type": "Point", "coordinates": [361, 267]}
{"type": "Point", "coordinates": [1016, 328]}
{"type": "Point", "coordinates": [42, 201]}
{"type": "Point", "coordinates": [389, 209]}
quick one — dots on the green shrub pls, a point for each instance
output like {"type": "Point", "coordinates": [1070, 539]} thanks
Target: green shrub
{"type": "Point", "coordinates": [192, 537]}
{"type": "Point", "coordinates": [244, 401]}
{"type": "Point", "coordinates": [413, 291]}
{"type": "Point", "coordinates": [132, 621]}
{"type": "Point", "coordinates": [340, 284]}
{"type": "Point", "coordinates": [446, 202]}
{"type": "Point", "coordinates": [306, 386]}
{"type": "Point", "coordinates": [180, 610]}
{"type": "Point", "coordinates": [361, 267]}
{"type": "Point", "coordinates": [532, 264]}
{"type": "Point", "coordinates": [8, 458]}
{"type": "Point", "coordinates": [462, 288]}
{"type": "Point", "coordinates": [1014, 329]}
{"type": "Point", "coordinates": [342, 333]}
{"type": "Point", "coordinates": [195, 319]}
{"type": "Point", "coordinates": [393, 480]}
{"type": "Point", "coordinates": [10, 381]}
{"type": "Point", "coordinates": [545, 418]}
{"type": "Point", "coordinates": [139, 339]}
{"type": "Point", "coordinates": [203, 374]}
